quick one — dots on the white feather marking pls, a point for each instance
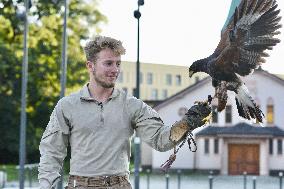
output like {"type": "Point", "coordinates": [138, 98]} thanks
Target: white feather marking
{"type": "Point", "coordinates": [244, 97]}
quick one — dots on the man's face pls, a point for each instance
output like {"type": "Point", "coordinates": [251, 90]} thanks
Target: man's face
{"type": "Point", "coordinates": [107, 68]}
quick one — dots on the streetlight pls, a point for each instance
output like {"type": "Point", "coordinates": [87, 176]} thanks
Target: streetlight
{"type": "Point", "coordinates": [22, 155]}
{"type": "Point", "coordinates": [63, 72]}
{"type": "Point", "coordinates": [137, 155]}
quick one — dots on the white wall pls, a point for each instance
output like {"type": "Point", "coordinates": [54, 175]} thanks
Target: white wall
{"type": "Point", "coordinates": [276, 161]}
{"type": "Point", "coordinates": [261, 88]}
{"type": "Point", "coordinates": [210, 160]}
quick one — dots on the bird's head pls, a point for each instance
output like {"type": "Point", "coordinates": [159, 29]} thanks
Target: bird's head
{"type": "Point", "coordinates": [192, 69]}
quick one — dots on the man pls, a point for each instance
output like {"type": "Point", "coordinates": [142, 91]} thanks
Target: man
{"type": "Point", "coordinates": [98, 122]}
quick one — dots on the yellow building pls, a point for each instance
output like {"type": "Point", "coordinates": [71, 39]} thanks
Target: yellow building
{"type": "Point", "coordinates": [157, 81]}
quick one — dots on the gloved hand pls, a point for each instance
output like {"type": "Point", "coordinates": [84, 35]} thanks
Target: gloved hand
{"type": "Point", "coordinates": [196, 116]}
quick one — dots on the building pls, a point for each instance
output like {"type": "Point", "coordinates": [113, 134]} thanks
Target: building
{"type": "Point", "coordinates": [229, 144]}
{"type": "Point", "coordinates": [157, 81]}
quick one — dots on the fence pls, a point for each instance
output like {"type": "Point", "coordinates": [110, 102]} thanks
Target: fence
{"type": "Point", "coordinates": [173, 180]}
{"type": "Point", "coordinates": [179, 180]}
{"type": "Point", "coordinates": [11, 173]}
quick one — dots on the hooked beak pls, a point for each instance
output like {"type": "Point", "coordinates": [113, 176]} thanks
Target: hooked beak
{"type": "Point", "coordinates": [190, 73]}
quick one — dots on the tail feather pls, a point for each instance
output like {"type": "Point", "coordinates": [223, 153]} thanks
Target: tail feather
{"type": "Point", "coordinates": [247, 108]}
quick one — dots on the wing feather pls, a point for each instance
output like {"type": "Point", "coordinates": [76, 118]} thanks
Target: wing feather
{"type": "Point", "coordinates": [248, 34]}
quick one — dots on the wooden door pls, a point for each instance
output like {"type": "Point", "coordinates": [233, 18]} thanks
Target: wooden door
{"type": "Point", "coordinates": [243, 157]}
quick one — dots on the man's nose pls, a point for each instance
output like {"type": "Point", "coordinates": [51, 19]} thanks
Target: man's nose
{"type": "Point", "coordinates": [115, 68]}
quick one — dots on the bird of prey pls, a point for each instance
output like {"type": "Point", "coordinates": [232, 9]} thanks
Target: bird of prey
{"type": "Point", "coordinates": [249, 33]}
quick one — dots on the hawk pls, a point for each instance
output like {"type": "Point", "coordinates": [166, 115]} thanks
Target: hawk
{"type": "Point", "coordinates": [251, 31]}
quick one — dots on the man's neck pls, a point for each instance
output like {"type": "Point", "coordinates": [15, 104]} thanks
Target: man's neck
{"type": "Point", "coordinates": [98, 92]}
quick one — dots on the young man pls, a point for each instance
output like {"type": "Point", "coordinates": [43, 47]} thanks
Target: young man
{"type": "Point", "coordinates": [98, 122]}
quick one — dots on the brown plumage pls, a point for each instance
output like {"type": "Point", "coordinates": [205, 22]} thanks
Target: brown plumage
{"type": "Point", "coordinates": [250, 31]}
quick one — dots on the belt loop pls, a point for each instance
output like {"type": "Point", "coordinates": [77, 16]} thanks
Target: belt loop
{"type": "Point", "coordinates": [87, 181]}
{"type": "Point", "coordinates": [107, 180]}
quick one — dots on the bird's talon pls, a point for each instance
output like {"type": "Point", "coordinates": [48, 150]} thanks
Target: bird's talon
{"type": "Point", "coordinates": [207, 119]}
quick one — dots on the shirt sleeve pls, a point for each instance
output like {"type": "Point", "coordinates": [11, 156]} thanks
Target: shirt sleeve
{"type": "Point", "coordinates": [53, 148]}
{"type": "Point", "coordinates": [149, 126]}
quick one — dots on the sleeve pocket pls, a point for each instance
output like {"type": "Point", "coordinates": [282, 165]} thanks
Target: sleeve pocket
{"type": "Point", "coordinates": [48, 133]}
{"type": "Point", "coordinates": [52, 127]}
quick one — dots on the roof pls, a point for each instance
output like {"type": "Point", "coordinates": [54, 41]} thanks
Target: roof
{"type": "Point", "coordinates": [276, 77]}
{"type": "Point", "coordinates": [242, 129]}
{"type": "Point", "coordinates": [183, 92]}
{"type": "Point", "coordinates": [204, 81]}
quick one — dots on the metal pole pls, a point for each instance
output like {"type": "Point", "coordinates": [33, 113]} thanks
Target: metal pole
{"type": "Point", "coordinates": [138, 60]}
{"type": "Point", "coordinates": [210, 181]}
{"type": "Point", "coordinates": [63, 72]}
{"type": "Point", "coordinates": [148, 178]}
{"type": "Point", "coordinates": [280, 179]}
{"type": "Point", "coordinates": [254, 182]}
{"type": "Point", "coordinates": [179, 175]}
{"type": "Point", "coordinates": [64, 52]}
{"type": "Point", "coordinates": [245, 179]}
{"type": "Point", "coordinates": [137, 144]}
{"type": "Point", "coordinates": [137, 155]}
{"type": "Point", "coordinates": [136, 162]}
{"type": "Point", "coordinates": [167, 181]}
{"type": "Point", "coordinates": [23, 100]}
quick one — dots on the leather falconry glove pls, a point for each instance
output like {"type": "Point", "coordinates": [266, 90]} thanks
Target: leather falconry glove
{"type": "Point", "coordinates": [196, 116]}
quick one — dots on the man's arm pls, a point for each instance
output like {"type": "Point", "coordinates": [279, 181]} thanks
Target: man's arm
{"type": "Point", "coordinates": [53, 148]}
{"type": "Point", "coordinates": [150, 127]}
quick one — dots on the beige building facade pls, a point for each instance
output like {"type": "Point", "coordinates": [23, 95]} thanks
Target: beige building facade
{"type": "Point", "coordinates": [157, 81]}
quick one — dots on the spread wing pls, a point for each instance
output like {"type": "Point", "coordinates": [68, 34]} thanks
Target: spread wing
{"type": "Point", "coordinates": [250, 32]}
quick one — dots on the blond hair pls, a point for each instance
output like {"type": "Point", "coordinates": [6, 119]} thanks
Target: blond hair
{"type": "Point", "coordinates": [93, 47]}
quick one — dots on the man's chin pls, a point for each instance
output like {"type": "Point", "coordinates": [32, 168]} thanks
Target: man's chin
{"type": "Point", "coordinates": [108, 85]}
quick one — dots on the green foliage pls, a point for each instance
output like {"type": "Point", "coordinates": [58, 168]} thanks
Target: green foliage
{"type": "Point", "coordinates": [45, 44]}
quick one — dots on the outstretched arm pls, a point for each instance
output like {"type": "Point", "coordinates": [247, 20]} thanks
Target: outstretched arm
{"type": "Point", "coordinates": [150, 127]}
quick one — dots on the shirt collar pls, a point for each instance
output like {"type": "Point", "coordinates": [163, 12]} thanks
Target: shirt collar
{"type": "Point", "coordinates": [85, 93]}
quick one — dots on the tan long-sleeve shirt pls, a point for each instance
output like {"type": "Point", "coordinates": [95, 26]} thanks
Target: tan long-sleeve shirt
{"type": "Point", "coordinates": [99, 135]}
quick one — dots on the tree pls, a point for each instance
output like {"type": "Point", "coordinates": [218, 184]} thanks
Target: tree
{"type": "Point", "coordinates": [45, 43]}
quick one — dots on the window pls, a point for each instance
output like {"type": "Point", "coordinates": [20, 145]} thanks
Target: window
{"type": "Point", "coordinates": [120, 77]}
{"type": "Point", "coordinates": [178, 80]}
{"type": "Point", "coordinates": [214, 114]}
{"type": "Point", "coordinates": [216, 146]}
{"type": "Point", "coordinates": [149, 78]}
{"type": "Point", "coordinates": [270, 114]}
{"type": "Point", "coordinates": [164, 93]}
{"type": "Point", "coordinates": [270, 146]}
{"type": "Point", "coordinates": [169, 79]}
{"type": "Point", "coordinates": [206, 146]}
{"type": "Point", "coordinates": [228, 114]}
{"type": "Point", "coordinates": [279, 146]}
{"type": "Point", "coordinates": [154, 94]}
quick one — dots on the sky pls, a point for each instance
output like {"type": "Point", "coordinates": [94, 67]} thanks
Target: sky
{"type": "Point", "coordinates": [175, 32]}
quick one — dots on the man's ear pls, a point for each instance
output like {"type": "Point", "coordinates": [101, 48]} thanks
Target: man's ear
{"type": "Point", "coordinates": [90, 65]}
